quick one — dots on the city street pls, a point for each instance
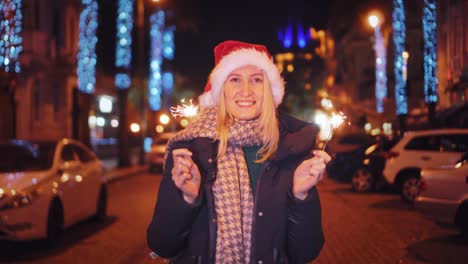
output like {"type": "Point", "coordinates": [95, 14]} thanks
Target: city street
{"type": "Point", "coordinates": [359, 228]}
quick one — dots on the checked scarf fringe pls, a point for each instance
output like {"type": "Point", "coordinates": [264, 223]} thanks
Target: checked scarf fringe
{"type": "Point", "coordinates": [233, 195]}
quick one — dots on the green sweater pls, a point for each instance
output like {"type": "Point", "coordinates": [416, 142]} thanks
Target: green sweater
{"type": "Point", "coordinates": [254, 168]}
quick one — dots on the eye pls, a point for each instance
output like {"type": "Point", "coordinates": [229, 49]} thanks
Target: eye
{"type": "Point", "coordinates": [234, 79]}
{"type": "Point", "coordinates": [257, 80]}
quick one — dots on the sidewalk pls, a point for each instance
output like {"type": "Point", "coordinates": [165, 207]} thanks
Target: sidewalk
{"type": "Point", "coordinates": [113, 172]}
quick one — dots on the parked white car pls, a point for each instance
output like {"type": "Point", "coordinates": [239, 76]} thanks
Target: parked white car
{"type": "Point", "coordinates": [158, 149]}
{"type": "Point", "coordinates": [444, 195]}
{"type": "Point", "coordinates": [46, 187]}
{"type": "Point", "coordinates": [422, 149]}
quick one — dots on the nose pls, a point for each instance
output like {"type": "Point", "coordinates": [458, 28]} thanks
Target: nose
{"type": "Point", "coordinates": [246, 88]}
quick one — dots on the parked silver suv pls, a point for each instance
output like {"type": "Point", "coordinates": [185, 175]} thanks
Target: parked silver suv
{"type": "Point", "coordinates": [422, 149]}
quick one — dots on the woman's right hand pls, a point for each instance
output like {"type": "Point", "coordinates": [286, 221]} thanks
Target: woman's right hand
{"type": "Point", "coordinates": [186, 175]}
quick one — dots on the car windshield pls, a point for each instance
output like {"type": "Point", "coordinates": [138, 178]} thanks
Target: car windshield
{"type": "Point", "coordinates": [19, 155]}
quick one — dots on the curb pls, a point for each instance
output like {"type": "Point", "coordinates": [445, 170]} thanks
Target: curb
{"type": "Point", "coordinates": [120, 173]}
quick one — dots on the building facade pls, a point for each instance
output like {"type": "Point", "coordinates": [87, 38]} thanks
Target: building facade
{"type": "Point", "coordinates": [45, 100]}
{"type": "Point", "coordinates": [355, 57]}
{"type": "Point", "coordinates": [45, 85]}
{"type": "Point", "coordinates": [452, 52]}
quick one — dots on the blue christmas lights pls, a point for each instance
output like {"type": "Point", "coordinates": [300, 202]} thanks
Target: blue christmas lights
{"type": "Point", "coordinates": [167, 82]}
{"type": "Point", "coordinates": [155, 78]}
{"type": "Point", "coordinates": [10, 39]}
{"type": "Point", "coordinates": [168, 43]}
{"type": "Point", "coordinates": [288, 37]}
{"type": "Point", "coordinates": [399, 36]}
{"type": "Point", "coordinates": [122, 80]}
{"type": "Point", "coordinates": [380, 69]}
{"type": "Point", "coordinates": [301, 37]}
{"type": "Point", "coordinates": [86, 58]}
{"type": "Point", "coordinates": [430, 51]}
{"type": "Point", "coordinates": [123, 51]}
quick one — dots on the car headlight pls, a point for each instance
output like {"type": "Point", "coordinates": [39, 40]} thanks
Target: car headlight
{"type": "Point", "coordinates": [15, 199]}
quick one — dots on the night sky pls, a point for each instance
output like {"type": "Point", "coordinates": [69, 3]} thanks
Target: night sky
{"type": "Point", "coordinates": [201, 24]}
{"type": "Point", "coordinates": [251, 21]}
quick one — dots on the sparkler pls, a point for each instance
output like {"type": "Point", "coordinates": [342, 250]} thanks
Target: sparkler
{"type": "Point", "coordinates": [335, 120]}
{"type": "Point", "coordinates": [184, 110]}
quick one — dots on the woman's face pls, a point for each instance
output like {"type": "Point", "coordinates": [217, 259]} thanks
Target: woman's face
{"type": "Point", "coordinates": [243, 92]}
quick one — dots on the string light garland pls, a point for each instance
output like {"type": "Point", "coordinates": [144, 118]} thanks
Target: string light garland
{"type": "Point", "coordinates": [168, 43]}
{"type": "Point", "coordinates": [430, 51]}
{"type": "Point", "coordinates": [123, 80]}
{"type": "Point", "coordinates": [155, 77]}
{"type": "Point", "coordinates": [123, 51]}
{"type": "Point", "coordinates": [380, 69]}
{"type": "Point", "coordinates": [10, 35]}
{"type": "Point", "coordinates": [399, 37]}
{"type": "Point", "coordinates": [86, 58]}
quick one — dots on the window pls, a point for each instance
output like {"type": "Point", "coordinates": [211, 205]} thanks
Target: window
{"type": "Point", "coordinates": [430, 143]}
{"type": "Point", "coordinates": [67, 153]}
{"type": "Point", "coordinates": [450, 143]}
{"type": "Point", "coordinates": [57, 28]}
{"type": "Point", "coordinates": [83, 154]}
{"type": "Point", "coordinates": [454, 143]}
{"type": "Point", "coordinates": [36, 99]}
{"type": "Point", "coordinates": [56, 99]}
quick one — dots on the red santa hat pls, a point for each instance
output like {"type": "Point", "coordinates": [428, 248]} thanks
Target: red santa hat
{"type": "Point", "coordinates": [230, 55]}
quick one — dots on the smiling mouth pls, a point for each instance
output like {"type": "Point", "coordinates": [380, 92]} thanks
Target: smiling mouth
{"type": "Point", "coordinates": [245, 103]}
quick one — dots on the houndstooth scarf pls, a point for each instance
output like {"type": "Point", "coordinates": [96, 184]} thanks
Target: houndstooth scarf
{"type": "Point", "coordinates": [232, 190]}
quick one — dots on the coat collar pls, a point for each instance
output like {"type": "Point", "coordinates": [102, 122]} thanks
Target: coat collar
{"type": "Point", "coordinates": [297, 137]}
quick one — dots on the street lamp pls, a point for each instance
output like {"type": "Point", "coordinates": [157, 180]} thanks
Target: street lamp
{"type": "Point", "coordinates": [373, 21]}
{"type": "Point", "coordinates": [380, 62]}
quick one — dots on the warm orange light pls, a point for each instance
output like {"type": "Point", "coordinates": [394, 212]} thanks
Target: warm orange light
{"type": "Point", "coordinates": [134, 127]}
{"type": "Point", "coordinates": [330, 80]}
{"type": "Point", "coordinates": [405, 55]}
{"type": "Point", "coordinates": [164, 119]}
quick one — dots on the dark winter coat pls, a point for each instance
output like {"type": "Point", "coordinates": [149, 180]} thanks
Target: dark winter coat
{"type": "Point", "coordinates": [284, 229]}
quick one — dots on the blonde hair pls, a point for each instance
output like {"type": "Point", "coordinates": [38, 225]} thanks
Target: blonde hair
{"type": "Point", "coordinates": [268, 119]}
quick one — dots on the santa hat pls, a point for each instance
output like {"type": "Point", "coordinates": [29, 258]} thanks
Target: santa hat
{"type": "Point", "coordinates": [230, 55]}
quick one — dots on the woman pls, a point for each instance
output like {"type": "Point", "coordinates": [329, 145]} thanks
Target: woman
{"type": "Point", "coordinates": [239, 183]}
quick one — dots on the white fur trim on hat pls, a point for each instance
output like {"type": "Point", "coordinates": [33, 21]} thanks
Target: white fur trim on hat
{"type": "Point", "coordinates": [234, 60]}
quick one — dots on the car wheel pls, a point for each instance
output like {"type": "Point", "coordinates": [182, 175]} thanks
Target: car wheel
{"type": "Point", "coordinates": [54, 221]}
{"type": "Point", "coordinates": [410, 188]}
{"type": "Point", "coordinates": [101, 208]}
{"type": "Point", "coordinates": [362, 180]}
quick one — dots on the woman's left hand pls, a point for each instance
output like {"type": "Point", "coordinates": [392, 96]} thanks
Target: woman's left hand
{"type": "Point", "coordinates": [309, 173]}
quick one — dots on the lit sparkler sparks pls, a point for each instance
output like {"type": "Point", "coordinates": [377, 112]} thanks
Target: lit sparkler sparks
{"type": "Point", "coordinates": [336, 120]}
{"type": "Point", "coordinates": [184, 110]}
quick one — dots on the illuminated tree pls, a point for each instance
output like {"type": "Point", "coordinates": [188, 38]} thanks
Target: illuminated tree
{"type": "Point", "coordinates": [399, 36]}
{"type": "Point", "coordinates": [380, 63]}
{"type": "Point", "coordinates": [156, 57]}
{"type": "Point", "coordinates": [430, 51]}
{"type": "Point", "coordinates": [123, 51]}
{"type": "Point", "coordinates": [10, 30]}
{"type": "Point", "coordinates": [86, 70]}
